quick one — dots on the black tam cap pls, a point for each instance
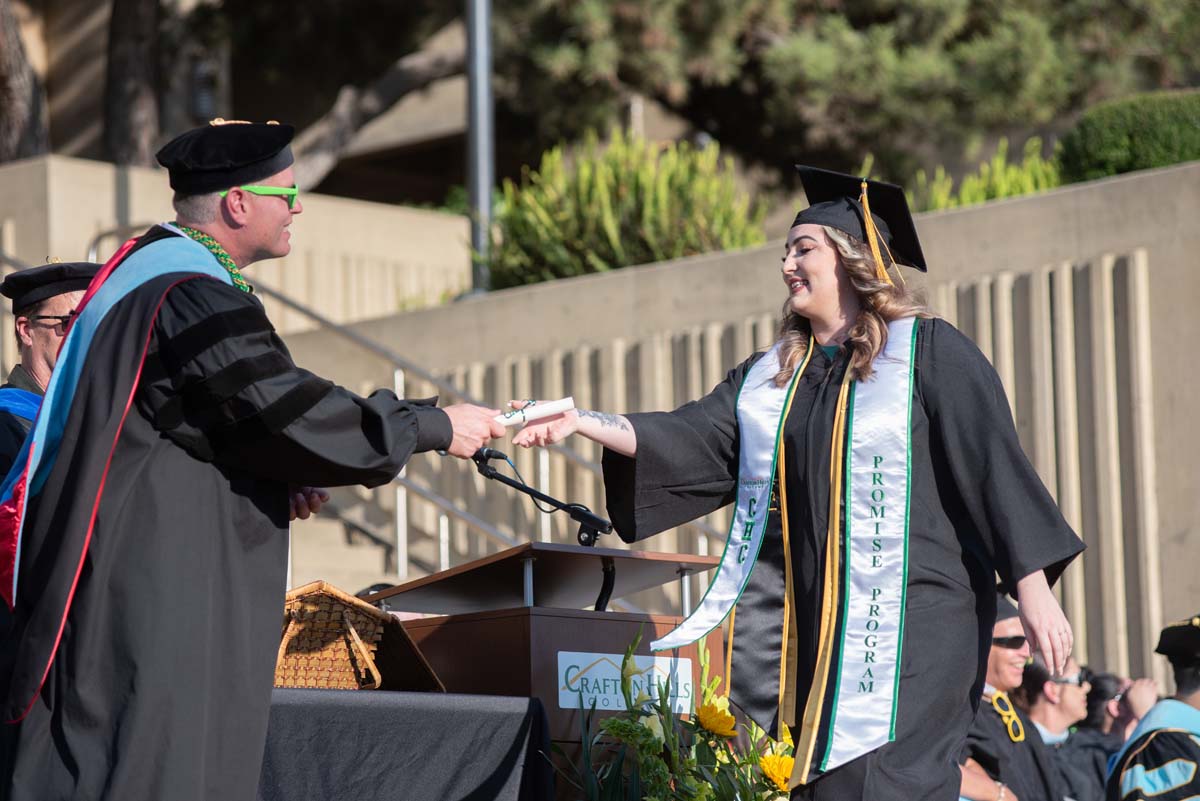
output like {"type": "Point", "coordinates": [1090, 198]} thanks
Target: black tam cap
{"type": "Point", "coordinates": [835, 200]}
{"type": "Point", "coordinates": [1004, 607]}
{"type": "Point", "coordinates": [1180, 642]}
{"type": "Point", "coordinates": [226, 153]}
{"type": "Point", "coordinates": [27, 287]}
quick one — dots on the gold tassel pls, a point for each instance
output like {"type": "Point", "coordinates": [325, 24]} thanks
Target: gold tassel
{"type": "Point", "coordinates": [873, 238]}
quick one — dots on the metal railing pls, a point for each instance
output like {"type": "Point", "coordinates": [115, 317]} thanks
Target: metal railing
{"type": "Point", "coordinates": [7, 345]}
{"type": "Point", "coordinates": [402, 485]}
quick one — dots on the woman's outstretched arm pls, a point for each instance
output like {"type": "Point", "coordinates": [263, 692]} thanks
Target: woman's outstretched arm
{"type": "Point", "coordinates": [613, 431]}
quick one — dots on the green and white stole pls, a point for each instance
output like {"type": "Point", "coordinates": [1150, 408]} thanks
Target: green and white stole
{"type": "Point", "coordinates": [867, 673]}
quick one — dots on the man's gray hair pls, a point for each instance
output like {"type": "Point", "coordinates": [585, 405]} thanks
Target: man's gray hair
{"type": "Point", "coordinates": [198, 209]}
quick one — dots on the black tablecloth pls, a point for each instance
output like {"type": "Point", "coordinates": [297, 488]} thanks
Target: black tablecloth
{"type": "Point", "coordinates": [364, 745]}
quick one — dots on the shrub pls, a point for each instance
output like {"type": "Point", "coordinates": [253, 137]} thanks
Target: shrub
{"type": "Point", "coordinates": [1156, 129]}
{"type": "Point", "coordinates": [605, 207]}
{"type": "Point", "coordinates": [995, 179]}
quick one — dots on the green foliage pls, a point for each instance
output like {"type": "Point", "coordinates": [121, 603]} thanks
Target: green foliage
{"type": "Point", "coordinates": [647, 753]}
{"type": "Point", "coordinates": [1150, 130]}
{"type": "Point", "coordinates": [630, 202]}
{"type": "Point", "coordinates": [772, 80]}
{"type": "Point", "coordinates": [995, 179]}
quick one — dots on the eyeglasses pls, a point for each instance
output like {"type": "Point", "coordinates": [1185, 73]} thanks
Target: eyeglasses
{"type": "Point", "coordinates": [1004, 707]}
{"type": "Point", "coordinates": [1080, 678]}
{"type": "Point", "coordinates": [288, 193]}
{"type": "Point", "coordinates": [1012, 643]}
{"type": "Point", "coordinates": [61, 321]}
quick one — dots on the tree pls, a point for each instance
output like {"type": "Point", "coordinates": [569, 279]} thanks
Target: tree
{"type": "Point", "coordinates": [131, 89]}
{"type": "Point", "coordinates": [773, 80]}
{"type": "Point", "coordinates": [22, 100]}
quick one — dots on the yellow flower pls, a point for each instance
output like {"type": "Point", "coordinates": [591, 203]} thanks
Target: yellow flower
{"type": "Point", "coordinates": [786, 733]}
{"type": "Point", "coordinates": [641, 699]}
{"type": "Point", "coordinates": [716, 720]}
{"type": "Point", "coordinates": [655, 725]}
{"type": "Point", "coordinates": [777, 769]}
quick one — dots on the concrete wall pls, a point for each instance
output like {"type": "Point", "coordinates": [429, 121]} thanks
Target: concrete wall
{"type": "Point", "coordinates": [350, 259]}
{"type": "Point", "coordinates": [1084, 298]}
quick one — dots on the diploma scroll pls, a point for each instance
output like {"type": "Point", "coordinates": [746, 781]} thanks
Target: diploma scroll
{"type": "Point", "coordinates": [535, 410]}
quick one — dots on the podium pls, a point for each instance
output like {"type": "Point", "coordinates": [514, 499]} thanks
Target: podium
{"type": "Point", "coordinates": [514, 623]}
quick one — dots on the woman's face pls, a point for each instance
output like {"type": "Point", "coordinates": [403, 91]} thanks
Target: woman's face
{"type": "Point", "coordinates": [1074, 696]}
{"type": "Point", "coordinates": [812, 272]}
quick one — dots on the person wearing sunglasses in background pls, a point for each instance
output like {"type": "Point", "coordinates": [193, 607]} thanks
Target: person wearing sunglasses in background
{"type": "Point", "coordinates": [1005, 758]}
{"type": "Point", "coordinates": [144, 536]}
{"type": "Point", "coordinates": [44, 300]}
{"type": "Point", "coordinates": [1055, 704]}
{"type": "Point", "coordinates": [1115, 704]}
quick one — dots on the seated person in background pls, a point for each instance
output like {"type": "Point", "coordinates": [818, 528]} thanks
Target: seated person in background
{"type": "Point", "coordinates": [1115, 705]}
{"type": "Point", "coordinates": [1054, 705]}
{"type": "Point", "coordinates": [1004, 758]}
{"type": "Point", "coordinates": [44, 299]}
{"type": "Point", "coordinates": [1161, 759]}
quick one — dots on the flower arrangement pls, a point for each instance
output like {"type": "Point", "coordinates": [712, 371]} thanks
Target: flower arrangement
{"type": "Point", "coordinates": [648, 753]}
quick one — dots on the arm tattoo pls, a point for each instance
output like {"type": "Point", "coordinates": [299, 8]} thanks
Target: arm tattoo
{"type": "Point", "coordinates": [606, 420]}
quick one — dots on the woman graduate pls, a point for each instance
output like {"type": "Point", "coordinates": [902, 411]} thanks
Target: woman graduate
{"type": "Point", "coordinates": [878, 486]}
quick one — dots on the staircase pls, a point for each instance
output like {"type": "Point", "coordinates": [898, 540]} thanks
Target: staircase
{"type": "Point", "coordinates": [448, 513]}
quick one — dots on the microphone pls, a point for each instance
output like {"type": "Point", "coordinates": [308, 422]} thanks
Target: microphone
{"type": "Point", "coordinates": [487, 454]}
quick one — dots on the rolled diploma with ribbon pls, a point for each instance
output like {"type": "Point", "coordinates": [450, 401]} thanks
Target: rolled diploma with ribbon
{"type": "Point", "coordinates": [536, 411]}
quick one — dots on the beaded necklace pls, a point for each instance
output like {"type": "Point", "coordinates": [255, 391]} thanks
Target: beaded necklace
{"type": "Point", "coordinates": [214, 247]}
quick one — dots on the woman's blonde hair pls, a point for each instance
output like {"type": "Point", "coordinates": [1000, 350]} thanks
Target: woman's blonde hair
{"type": "Point", "coordinates": [881, 303]}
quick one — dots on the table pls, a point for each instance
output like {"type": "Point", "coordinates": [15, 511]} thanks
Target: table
{"type": "Point", "coordinates": [361, 745]}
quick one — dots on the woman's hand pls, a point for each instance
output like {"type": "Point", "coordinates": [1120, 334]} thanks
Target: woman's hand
{"type": "Point", "coordinates": [613, 431]}
{"type": "Point", "coordinates": [548, 430]}
{"type": "Point", "coordinates": [1045, 625]}
{"type": "Point", "coordinates": [1141, 695]}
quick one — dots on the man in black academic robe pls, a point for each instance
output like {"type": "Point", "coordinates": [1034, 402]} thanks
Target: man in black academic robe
{"type": "Point", "coordinates": [153, 546]}
{"type": "Point", "coordinates": [1161, 759]}
{"type": "Point", "coordinates": [43, 300]}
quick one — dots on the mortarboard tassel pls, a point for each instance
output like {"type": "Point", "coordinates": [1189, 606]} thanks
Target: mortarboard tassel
{"type": "Point", "coordinates": [873, 238]}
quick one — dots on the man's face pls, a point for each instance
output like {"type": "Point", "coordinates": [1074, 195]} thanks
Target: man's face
{"type": "Point", "coordinates": [40, 337]}
{"type": "Point", "coordinates": [266, 228]}
{"type": "Point", "coordinates": [1006, 666]}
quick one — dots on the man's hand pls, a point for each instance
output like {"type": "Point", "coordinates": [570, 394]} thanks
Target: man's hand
{"type": "Point", "coordinates": [307, 501]}
{"type": "Point", "coordinates": [473, 426]}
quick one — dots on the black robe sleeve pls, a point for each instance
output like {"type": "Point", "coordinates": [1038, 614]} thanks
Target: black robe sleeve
{"type": "Point", "coordinates": [13, 430]}
{"type": "Point", "coordinates": [1162, 765]}
{"type": "Point", "coordinates": [686, 463]}
{"type": "Point", "coordinates": [1002, 498]}
{"type": "Point", "coordinates": [221, 383]}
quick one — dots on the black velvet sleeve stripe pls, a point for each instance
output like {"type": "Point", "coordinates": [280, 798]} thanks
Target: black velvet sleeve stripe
{"type": "Point", "coordinates": [222, 386]}
{"type": "Point", "coordinates": [194, 340]}
{"type": "Point", "coordinates": [274, 418]}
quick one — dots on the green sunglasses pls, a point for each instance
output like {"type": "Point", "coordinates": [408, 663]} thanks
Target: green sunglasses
{"type": "Point", "coordinates": [289, 193]}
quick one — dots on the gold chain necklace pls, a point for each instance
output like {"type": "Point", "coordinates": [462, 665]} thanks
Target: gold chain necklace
{"type": "Point", "coordinates": [223, 258]}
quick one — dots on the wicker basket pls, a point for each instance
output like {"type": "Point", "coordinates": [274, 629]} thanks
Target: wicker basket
{"type": "Point", "coordinates": [332, 640]}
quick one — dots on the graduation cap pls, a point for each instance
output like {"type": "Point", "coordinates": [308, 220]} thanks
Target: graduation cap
{"type": "Point", "coordinates": [871, 211]}
{"type": "Point", "coordinates": [27, 287]}
{"type": "Point", "coordinates": [226, 153]}
{"type": "Point", "coordinates": [1180, 642]}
